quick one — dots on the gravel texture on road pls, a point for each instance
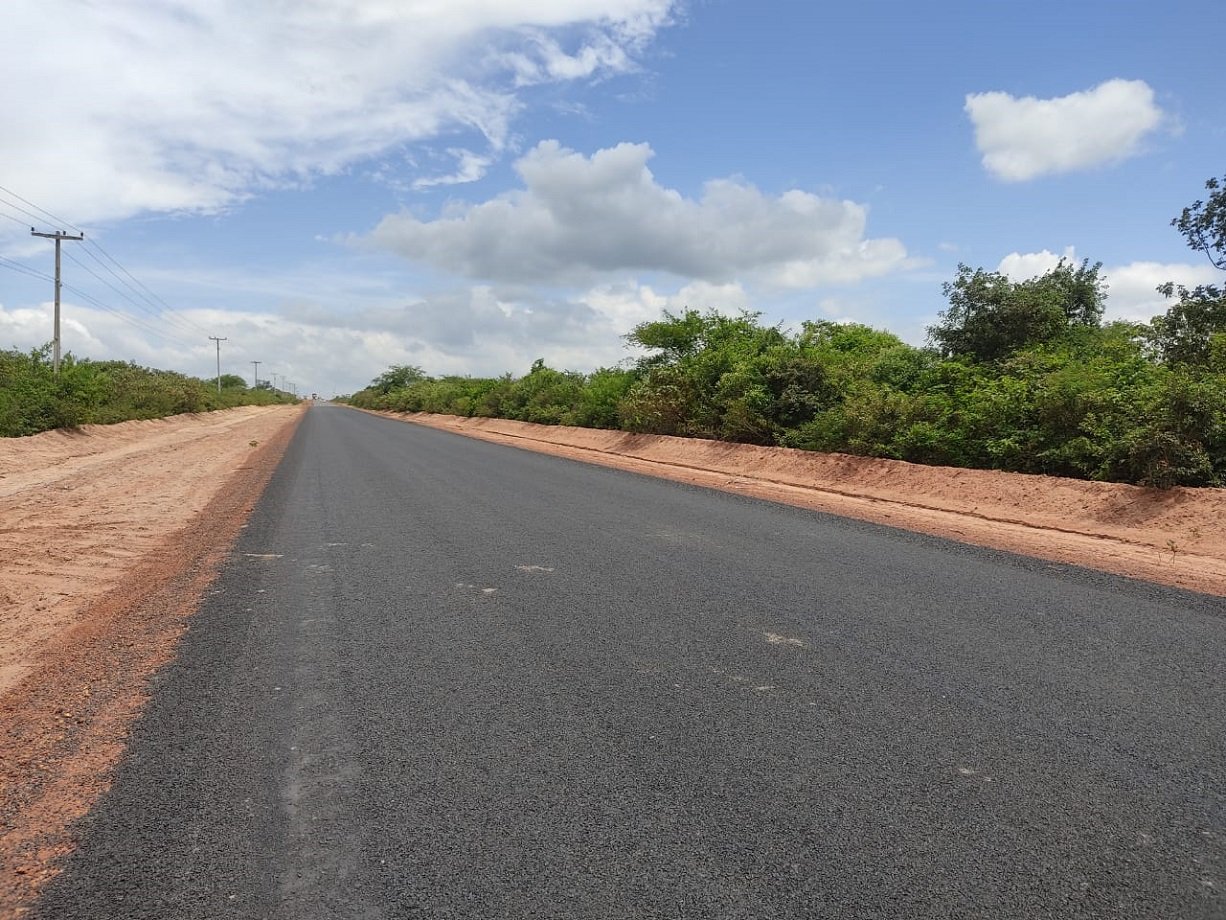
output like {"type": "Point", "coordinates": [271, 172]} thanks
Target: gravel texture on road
{"type": "Point", "coordinates": [445, 678]}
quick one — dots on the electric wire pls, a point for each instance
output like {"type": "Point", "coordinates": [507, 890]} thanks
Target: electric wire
{"type": "Point", "coordinates": [151, 310]}
{"type": "Point", "coordinates": [43, 211]}
{"type": "Point", "coordinates": [140, 289]}
{"type": "Point", "coordinates": [25, 269]}
{"type": "Point", "coordinates": [128, 317]}
{"type": "Point", "coordinates": [16, 220]}
{"type": "Point", "coordinates": [136, 293]}
{"type": "Point", "coordinates": [97, 304]}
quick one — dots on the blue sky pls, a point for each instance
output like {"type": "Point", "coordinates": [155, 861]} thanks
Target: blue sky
{"type": "Point", "coordinates": [341, 185]}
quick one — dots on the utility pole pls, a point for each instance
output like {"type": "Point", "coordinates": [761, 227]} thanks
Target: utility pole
{"type": "Point", "coordinates": [59, 236]}
{"type": "Point", "coordinates": [218, 341]}
{"type": "Point", "coordinates": [255, 374]}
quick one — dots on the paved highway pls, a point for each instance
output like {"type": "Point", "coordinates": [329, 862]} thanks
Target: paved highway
{"type": "Point", "coordinates": [442, 678]}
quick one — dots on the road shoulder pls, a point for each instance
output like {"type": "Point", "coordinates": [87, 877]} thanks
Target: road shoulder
{"type": "Point", "coordinates": [74, 691]}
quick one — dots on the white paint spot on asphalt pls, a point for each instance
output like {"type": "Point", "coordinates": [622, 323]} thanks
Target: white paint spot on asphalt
{"type": "Point", "coordinates": [765, 687]}
{"type": "Point", "coordinates": [263, 555]}
{"type": "Point", "coordinates": [465, 586]}
{"type": "Point", "coordinates": [535, 569]}
{"type": "Point", "coordinates": [776, 639]}
{"type": "Point", "coordinates": [971, 771]}
{"type": "Point", "coordinates": [336, 544]}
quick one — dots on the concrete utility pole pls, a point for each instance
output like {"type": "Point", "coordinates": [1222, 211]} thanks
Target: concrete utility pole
{"type": "Point", "coordinates": [59, 236]}
{"type": "Point", "coordinates": [218, 341]}
{"type": "Point", "coordinates": [255, 373]}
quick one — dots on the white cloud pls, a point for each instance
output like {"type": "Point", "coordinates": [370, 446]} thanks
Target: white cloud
{"type": "Point", "coordinates": [182, 105]}
{"type": "Point", "coordinates": [1131, 289]}
{"type": "Point", "coordinates": [579, 217]}
{"type": "Point", "coordinates": [1021, 266]}
{"type": "Point", "coordinates": [469, 168]}
{"type": "Point", "coordinates": [1023, 138]}
{"type": "Point", "coordinates": [480, 329]}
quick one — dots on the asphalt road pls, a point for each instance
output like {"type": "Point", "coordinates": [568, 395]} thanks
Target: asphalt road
{"type": "Point", "coordinates": [441, 678]}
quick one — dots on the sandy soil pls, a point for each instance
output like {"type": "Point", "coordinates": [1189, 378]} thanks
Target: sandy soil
{"type": "Point", "coordinates": [108, 538]}
{"type": "Point", "coordinates": [1175, 537]}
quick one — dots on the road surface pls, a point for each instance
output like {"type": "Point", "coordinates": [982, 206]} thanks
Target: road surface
{"type": "Point", "coordinates": [442, 678]}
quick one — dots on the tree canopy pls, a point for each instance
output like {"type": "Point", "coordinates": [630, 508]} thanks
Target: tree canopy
{"type": "Point", "coordinates": [1193, 329]}
{"type": "Point", "coordinates": [1203, 223]}
{"type": "Point", "coordinates": [989, 316]}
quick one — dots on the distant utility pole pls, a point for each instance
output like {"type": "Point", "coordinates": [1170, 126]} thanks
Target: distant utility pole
{"type": "Point", "coordinates": [255, 373]}
{"type": "Point", "coordinates": [59, 236]}
{"type": "Point", "coordinates": [218, 341]}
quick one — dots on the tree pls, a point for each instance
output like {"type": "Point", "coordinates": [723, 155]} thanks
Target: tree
{"type": "Point", "coordinates": [1203, 223]}
{"type": "Point", "coordinates": [990, 316]}
{"type": "Point", "coordinates": [1188, 331]}
{"type": "Point", "coordinates": [397, 377]}
{"type": "Point", "coordinates": [232, 381]}
{"type": "Point", "coordinates": [1185, 333]}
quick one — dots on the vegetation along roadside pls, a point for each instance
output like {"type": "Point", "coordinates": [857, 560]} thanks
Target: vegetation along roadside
{"type": "Point", "coordinates": [34, 399]}
{"type": "Point", "coordinates": [1021, 376]}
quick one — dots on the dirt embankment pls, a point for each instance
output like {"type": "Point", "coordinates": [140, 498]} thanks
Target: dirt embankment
{"type": "Point", "coordinates": [1175, 537]}
{"type": "Point", "coordinates": [108, 537]}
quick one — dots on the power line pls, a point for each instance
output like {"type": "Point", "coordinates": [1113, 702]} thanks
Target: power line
{"type": "Point", "coordinates": [37, 218]}
{"type": "Point", "coordinates": [140, 288]}
{"type": "Point", "coordinates": [137, 293]}
{"type": "Point", "coordinates": [16, 220]}
{"type": "Point", "coordinates": [45, 213]}
{"type": "Point", "coordinates": [128, 318]}
{"type": "Point", "coordinates": [156, 314]}
{"type": "Point", "coordinates": [92, 301]}
{"type": "Point", "coordinates": [25, 270]}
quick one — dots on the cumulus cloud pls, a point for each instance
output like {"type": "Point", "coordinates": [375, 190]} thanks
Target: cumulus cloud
{"type": "Point", "coordinates": [1020, 266]}
{"type": "Point", "coordinates": [182, 105]}
{"type": "Point", "coordinates": [1132, 293]}
{"type": "Point", "coordinates": [579, 216]}
{"type": "Point", "coordinates": [477, 329]}
{"type": "Point", "coordinates": [1131, 288]}
{"type": "Point", "coordinates": [1023, 138]}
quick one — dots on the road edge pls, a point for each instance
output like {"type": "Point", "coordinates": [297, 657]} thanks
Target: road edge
{"type": "Point", "coordinates": [65, 724]}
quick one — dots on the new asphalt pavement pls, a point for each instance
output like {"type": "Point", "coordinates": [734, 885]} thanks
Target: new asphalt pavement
{"type": "Point", "coordinates": [441, 678]}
